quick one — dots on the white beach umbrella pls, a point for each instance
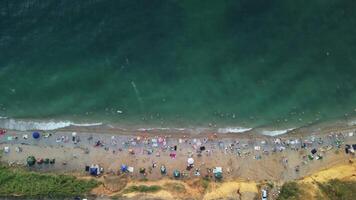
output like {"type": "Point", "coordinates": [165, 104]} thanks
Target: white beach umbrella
{"type": "Point", "coordinates": [74, 134]}
{"type": "Point", "coordinates": [190, 161]}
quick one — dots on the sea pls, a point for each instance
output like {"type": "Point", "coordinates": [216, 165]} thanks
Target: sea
{"type": "Point", "coordinates": [230, 64]}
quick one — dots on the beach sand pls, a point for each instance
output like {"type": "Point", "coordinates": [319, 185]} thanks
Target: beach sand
{"type": "Point", "coordinates": [247, 159]}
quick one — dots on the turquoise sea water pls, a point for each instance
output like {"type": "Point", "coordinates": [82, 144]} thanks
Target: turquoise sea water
{"type": "Point", "coordinates": [178, 63]}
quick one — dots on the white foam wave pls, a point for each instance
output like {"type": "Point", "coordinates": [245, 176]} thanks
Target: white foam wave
{"type": "Point", "coordinates": [86, 125]}
{"type": "Point", "coordinates": [233, 130]}
{"type": "Point", "coordinates": [24, 125]}
{"type": "Point", "coordinates": [160, 129]}
{"type": "Point", "coordinates": [1, 117]}
{"type": "Point", "coordinates": [276, 132]}
{"type": "Point", "coordinates": [352, 123]}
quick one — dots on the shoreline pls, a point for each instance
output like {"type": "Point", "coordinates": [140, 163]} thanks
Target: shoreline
{"type": "Point", "coordinates": [272, 130]}
{"type": "Point", "coordinates": [247, 156]}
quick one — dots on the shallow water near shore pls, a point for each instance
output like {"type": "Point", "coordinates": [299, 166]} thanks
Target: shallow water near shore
{"type": "Point", "coordinates": [238, 64]}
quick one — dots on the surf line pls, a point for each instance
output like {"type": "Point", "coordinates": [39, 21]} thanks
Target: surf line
{"type": "Point", "coordinates": [138, 96]}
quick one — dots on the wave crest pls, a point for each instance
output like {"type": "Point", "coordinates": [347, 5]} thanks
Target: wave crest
{"type": "Point", "coordinates": [233, 130]}
{"type": "Point", "coordinates": [24, 125]}
{"type": "Point", "coordinates": [276, 132]}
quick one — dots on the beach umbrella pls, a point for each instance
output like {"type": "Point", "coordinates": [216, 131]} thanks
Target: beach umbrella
{"type": "Point", "coordinates": [123, 168]}
{"type": "Point", "coordinates": [36, 135]}
{"type": "Point", "coordinates": [31, 160]}
{"type": "Point", "coordinates": [190, 161]}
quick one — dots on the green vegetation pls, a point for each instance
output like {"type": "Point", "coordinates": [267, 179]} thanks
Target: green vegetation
{"type": "Point", "coordinates": [338, 190]}
{"type": "Point", "coordinates": [176, 187]}
{"type": "Point", "coordinates": [18, 182]}
{"type": "Point", "coordinates": [289, 191]}
{"type": "Point", "coordinates": [331, 190]}
{"type": "Point", "coordinates": [143, 188]}
{"type": "Point", "coordinates": [205, 183]}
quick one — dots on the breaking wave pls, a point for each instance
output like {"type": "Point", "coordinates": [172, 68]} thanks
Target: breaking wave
{"type": "Point", "coordinates": [276, 132]}
{"type": "Point", "coordinates": [24, 125]}
{"type": "Point", "coordinates": [233, 130]}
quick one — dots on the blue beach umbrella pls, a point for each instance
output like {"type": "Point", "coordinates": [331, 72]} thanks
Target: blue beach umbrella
{"type": "Point", "coordinates": [36, 135]}
{"type": "Point", "coordinates": [123, 168]}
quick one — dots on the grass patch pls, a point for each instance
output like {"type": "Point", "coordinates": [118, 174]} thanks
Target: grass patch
{"type": "Point", "coordinates": [176, 187]}
{"type": "Point", "coordinates": [289, 191]}
{"type": "Point", "coordinates": [143, 189]}
{"type": "Point", "coordinates": [338, 190]}
{"type": "Point", "coordinates": [205, 184]}
{"type": "Point", "coordinates": [17, 182]}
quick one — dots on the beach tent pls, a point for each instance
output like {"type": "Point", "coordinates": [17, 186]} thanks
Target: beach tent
{"type": "Point", "coordinates": [313, 151]}
{"type": "Point", "coordinates": [123, 168]}
{"type": "Point", "coordinates": [36, 135]}
{"type": "Point", "coordinates": [6, 149]}
{"type": "Point", "coordinates": [130, 169]}
{"type": "Point", "coordinates": [31, 160]}
{"type": "Point", "coordinates": [93, 171]}
{"type": "Point", "coordinates": [218, 175]}
{"type": "Point", "coordinates": [176, 174]}
{"type": "Point", "coordinates": [346, 150]}
{"type": "Point", "coordinates": [163, 169]}
{"type": "Point", "coordinates": [217, 172]}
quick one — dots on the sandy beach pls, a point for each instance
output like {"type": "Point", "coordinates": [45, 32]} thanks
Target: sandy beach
{"type": "Point", "coordinates": [246, 157]}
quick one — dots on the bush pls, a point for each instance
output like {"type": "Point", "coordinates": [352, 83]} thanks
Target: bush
{"type": "Point", "coordinates": [289, 191]}
{"type": "Point", "coordinates": [339, 190]}
{"type": "Point", "coordinates": [143, 189]}
{"type": "Point", "coordinates": [176, 187]}
{"type": "Point", "coordinates": [30, 184]}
